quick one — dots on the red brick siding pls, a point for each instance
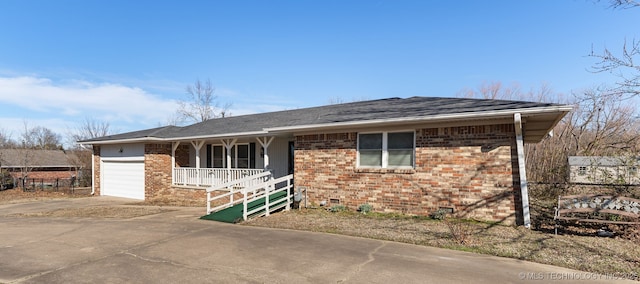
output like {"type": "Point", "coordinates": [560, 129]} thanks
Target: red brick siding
{"type": "Point", "coordinates": [96, 170]}
{"type": "Point", "coordinates": [47, 174]}
{"type": "Point", "coordinates": [182, 156]}
{"type": "Point", "coordinates": [158, 175]}
{"type": "Point", "coordinates": [157, 169]}
{"type": "Point", "coordinates": [452, 170]}
{"type": "Point", "coordinates": [158, 183]}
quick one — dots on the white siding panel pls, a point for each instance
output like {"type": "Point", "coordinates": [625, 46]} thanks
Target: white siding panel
{"type": "Point", "coordinates": [278, 157]}
{"type": "Point", "coordinates": [123, 179]}
{"type": "Point", "coordinates": [122, 152]}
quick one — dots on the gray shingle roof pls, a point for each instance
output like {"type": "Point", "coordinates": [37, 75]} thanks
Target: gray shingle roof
{"type": "Point", "coordinates": [606, 161]}
{"type": "Point", "coordinates": [13, 158]}
{"type": "Point", "coordinates": [382, 109]}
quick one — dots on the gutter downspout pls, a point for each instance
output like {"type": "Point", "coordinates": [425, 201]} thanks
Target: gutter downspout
{"type": "Point", "coordinates": [524, 190]}
{"type": "Point", "coordinates": [93, 171]}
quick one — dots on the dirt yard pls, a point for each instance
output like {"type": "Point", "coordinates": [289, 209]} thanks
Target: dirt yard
{"type": "Point", "coordinates": [17, 195]}
{"type": "Point", "coordinates": [131, 210]}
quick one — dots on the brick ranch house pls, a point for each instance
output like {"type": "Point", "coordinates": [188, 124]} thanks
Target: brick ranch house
{"type": "Point", "coordinates": [38, 164]}
{"type": "Point", "coordinates": [414, 155]}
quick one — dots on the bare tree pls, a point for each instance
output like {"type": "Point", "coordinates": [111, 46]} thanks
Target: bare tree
{"type": "Point", "coordinates": [623, 64]}
{"type": "Point", "coordinates": [25, 152]}
{"type": "Point", "coordinates": [42, 138]}
{"type": "Point", "coordinates": [81, 157]}
{"type": "Point", "coordinates": [201, 104]}
{"type": "Point", "coordinates": [87, 129]}
{"type": "Point", "coordinates": [491, 91]}
{"type": "Point", "coordinates": [499, 91]}
{"type": "Point", "coordinates": [623, 4]}
{"type": "Point", "coordinates": [5, 143]}
{"type": "Point", "coordinates": [338, 100]}
{"type": "Point", "coordinates": [601, 124]}
{"type": "Point", "coordinates": [5, 139]}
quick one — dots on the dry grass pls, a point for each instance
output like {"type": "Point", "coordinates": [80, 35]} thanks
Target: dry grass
{"type": "Point", "coordinates": [120, 212]}
{"type": "Point", "coordinates": [586, 253]}
{"type": "Point", "coordinates": [164, 201]}
{"type": "Point", "coordinates": [19, 196]}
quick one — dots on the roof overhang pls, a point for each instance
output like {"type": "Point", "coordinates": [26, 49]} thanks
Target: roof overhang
{"type": "Point", "coordinates": [538, 122]}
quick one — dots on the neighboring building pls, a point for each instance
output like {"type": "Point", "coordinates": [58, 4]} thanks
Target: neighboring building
{"type": "Point", "coordinates": [414, 155]}
{"type": "Point", "coordinates": [38, 164]}
{"type": "Point", "coordinates": [604, 170]}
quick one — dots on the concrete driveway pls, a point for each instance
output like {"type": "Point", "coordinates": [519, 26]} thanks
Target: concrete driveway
{"type": "Point", "coordinates": [177, 247]}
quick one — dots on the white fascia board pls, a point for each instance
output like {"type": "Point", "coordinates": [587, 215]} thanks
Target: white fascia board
{"type": "Point", "coordinates": [436, 118]}
{"type": "Point", "coordinates": [123, 141]}
{"type": "Point", "coordinates": [175, 139]}
{"type": "Point", "coordinates": [220, 136]}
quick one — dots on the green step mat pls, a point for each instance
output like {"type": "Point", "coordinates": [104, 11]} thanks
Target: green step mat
{"type": "Point", "coordinates": [234, 214]}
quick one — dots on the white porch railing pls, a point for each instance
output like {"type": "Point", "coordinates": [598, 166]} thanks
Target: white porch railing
{"type": "Point", "coordinates": [210, 176]}
{"type": "Point", "coordinates": [263, 186]}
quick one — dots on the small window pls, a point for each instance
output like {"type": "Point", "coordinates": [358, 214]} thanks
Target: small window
{"type": "Point", "coordinates": [218, 156]}
{"type": "Point", "coordinates": [400, 149]}
{"type": "Point", "coordinates": [371, 150]}
{"type": "Point", "coordinates": [240, 156]}
{"type": "Point", "coordinates": [386, 149]}
{"type": "Point", "coordinates": [582, 171]}
{"type": "Point", "coordinates": [243, 156]}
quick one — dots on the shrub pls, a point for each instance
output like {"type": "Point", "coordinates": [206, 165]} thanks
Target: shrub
{"type": "Point", "coordinates": [338, 208]}
{"type": "Point", "coordinates": [365, 208]}
{"type": "Point", "coordinates": [460, 230]}
{"type": "Point", "coordinates": [439, 214]}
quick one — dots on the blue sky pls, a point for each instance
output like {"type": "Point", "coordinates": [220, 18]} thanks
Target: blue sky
{"type": "Point", "coordinates": [128, 62]}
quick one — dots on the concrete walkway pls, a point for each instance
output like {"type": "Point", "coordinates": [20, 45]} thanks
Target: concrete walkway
{"type": "Point", "coordinates": [176, 247]}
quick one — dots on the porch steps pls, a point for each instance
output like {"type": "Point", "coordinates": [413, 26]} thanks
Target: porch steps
{"type": "Point", "coordinates": [234, 214]}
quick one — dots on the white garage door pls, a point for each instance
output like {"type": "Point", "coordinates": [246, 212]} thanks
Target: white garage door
{"type": "Point", "coordinates": [123, 179]}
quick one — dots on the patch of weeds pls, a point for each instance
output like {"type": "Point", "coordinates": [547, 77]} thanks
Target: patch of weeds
{"type": "Point", "coordinates": [461, 232]}
{"type": "Point", "coordinates": [338, 208]}
{"type": "Point", "coordinates": [365, 208]}
{"type": "Point", "coordinates": [464, 248]}
{"type": "Point", "coordinates": [440, 214]}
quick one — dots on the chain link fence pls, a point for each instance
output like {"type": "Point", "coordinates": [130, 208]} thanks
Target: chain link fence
{"type": "Point", "coordinates": [47, 184]}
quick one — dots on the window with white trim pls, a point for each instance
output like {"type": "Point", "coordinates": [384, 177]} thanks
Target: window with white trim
{"type": "Point", "coordinates": [386, 149]}
{"type": "Point", "coordinates": [240, 156]}
{"type": "Point", "coordinates": [218, 156]}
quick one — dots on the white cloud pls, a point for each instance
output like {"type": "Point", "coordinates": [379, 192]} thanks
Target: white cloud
{"type": "Point", "coordinates": [45, 98]}
{"type": "Point", "coordinates": [61, 105]}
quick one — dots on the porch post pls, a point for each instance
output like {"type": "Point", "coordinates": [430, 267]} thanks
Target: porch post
{"type": "Point", "coordinates": [228, 144]}
{"type": "Point", "coordinates": [198, 145]}
{"type": "Point", "coordinates": [524, 191]}
{"type": "Point", "coordinates": [265, 145]}
{"type": "Point", "coordinates": [174, 147]}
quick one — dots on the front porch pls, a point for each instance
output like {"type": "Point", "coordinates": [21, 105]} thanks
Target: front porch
{"type": "Point", "coordinates": [208, 177]}
{"type": "Point", "coordinates": [211, 162]}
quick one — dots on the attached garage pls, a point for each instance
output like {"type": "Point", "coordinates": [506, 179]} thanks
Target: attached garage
{"type": "Point", "coordinates": [123, 171]}
{"type": "Point", "coordinates": [123, 179]}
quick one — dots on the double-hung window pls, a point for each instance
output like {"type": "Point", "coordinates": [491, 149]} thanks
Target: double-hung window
{"type": "Point", "coordinates": [240, 156]}
{"type": "Point", "coordinates": [386, 149]}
